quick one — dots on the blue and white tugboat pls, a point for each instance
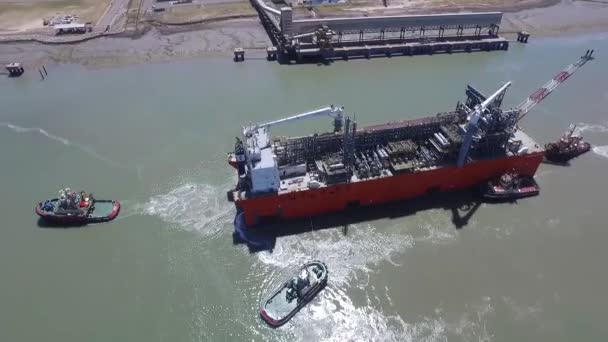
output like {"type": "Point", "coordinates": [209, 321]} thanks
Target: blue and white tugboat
{"type": "Point", "coordinates": [285, 302]}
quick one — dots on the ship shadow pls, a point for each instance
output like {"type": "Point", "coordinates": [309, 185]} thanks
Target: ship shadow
{"type": "Point", "coordinates": [45, 224]}
{"type": "Point", "coordinates": [562, 164]}
{"type": "Point", "coordinates": [462, 204]}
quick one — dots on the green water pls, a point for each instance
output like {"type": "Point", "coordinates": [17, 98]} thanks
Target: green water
{"type": "Point", "coordinates": [155, 137]}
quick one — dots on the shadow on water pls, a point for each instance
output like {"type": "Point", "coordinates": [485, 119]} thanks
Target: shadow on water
{"type": "Point", "coordinates": [462, 205]}
{"type": "Point", "coordinates": [563, 164]}
{"type": "Point", "coordinates": [45, 224]}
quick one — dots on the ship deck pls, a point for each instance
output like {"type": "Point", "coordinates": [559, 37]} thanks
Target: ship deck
{"type": "Point", "coordinates": [527, 141]}
{"type": "Point", "coordinates": [302, 182]}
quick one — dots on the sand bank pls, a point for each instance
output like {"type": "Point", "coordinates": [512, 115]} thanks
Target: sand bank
{"type": "Point", "coordinates": [164, 43]}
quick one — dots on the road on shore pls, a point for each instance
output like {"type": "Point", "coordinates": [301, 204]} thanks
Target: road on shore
{"type": "Point", "coordinates": [116, 8]}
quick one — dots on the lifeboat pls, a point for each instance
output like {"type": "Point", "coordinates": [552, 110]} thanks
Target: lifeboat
{"type": "Point", "coordinates": [293, 294]}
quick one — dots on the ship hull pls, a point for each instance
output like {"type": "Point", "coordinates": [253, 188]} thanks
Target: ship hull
{"type": "Point", "coordinates": [403, 186]}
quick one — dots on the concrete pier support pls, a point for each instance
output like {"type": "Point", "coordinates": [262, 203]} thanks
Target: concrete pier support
{"type": "Point", "coordinates": [271, 53]}
{"type": "Point", "coordinates": [14, 69]}
{"type": "Point", "coordinates": [523, 36]}
{"type": "Point", "coordinates": [239, 55]}
{"type": "Point", "coordinates": [286, 21]}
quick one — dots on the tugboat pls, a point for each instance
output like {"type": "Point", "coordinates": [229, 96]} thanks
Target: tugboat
{"type": "Point", "coordinates": [77, 208]}
{"type": "Point", "coordinates": [285, 302]}
{"type": "Point", "coordinates": [567, 147]}
{"type": "Point", "coordinates": [510, 186]}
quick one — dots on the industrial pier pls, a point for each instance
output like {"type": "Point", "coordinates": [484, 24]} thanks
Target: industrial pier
{"type": "Point", "coordinates": [365, 37]}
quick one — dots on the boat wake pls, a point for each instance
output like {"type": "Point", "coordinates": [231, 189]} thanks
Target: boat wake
{"type": "Point", "coordinates": [339, 319]}
{"type": "Point", "coordinates": [18, 129]}
{"type": "Point", "coordinates": [601, 151]}
{"type": "Point", "coordinates": [343, 255]}
{"type": "Point", "coordinates": [351, 259]}
{"type": "Point", "coordinates": [593, 128]}
{"type": "Point", "coordinates": [87, 150]}
{"type": "Point", "coordinates": [192, 206]}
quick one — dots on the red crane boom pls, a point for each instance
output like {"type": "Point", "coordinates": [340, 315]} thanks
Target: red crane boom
{"type": "Point", "coordinates": [537, 96]}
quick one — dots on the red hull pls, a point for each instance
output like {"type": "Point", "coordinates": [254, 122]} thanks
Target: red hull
{"type": "Point", "coordinates": [382, 190]}
{"type": "Point", "coordinates": [76, 219]}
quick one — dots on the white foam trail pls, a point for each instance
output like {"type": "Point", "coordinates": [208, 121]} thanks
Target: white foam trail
{"type": "Point", "coordinates": [473, 327]}
{"type": "Point", "coordinates": [349, 258]}
{"type": "Point", "coordinates": [334, 317]}
{"type": "Point", "coordinates": [18, 129]}
{"type": "Point", "coordinates": [190, 206]}
{"type": "Point", "coordinates": [594, 128]}
{"type": "Point", "coordinates": [601, 150]}
{"type": "Point", "coordinates": [344, 255]}
{"type": "Point", "coordinates": [63, 141]}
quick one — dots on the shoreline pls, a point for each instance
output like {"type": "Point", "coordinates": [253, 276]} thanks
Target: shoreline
{"type": "Point", "coordinates": [161, 43]}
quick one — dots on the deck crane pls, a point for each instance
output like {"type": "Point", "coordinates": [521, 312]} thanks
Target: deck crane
{"type": "Point", "coordinates": [525, 106]}
{"type": "Point", "coordinates": [335, 112]}
{"type": "Point", "coordinates": [481, 110]}
{"type": "Point", "coordinates": [472, 125]}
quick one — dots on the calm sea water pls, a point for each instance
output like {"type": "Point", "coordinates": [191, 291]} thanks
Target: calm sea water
{"type": "Point", "coordinates": [168, 269]}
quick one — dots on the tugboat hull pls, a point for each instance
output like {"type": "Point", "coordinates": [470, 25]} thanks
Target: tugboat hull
{"type": "Point", "coordinates": [278, 309]}
{"type": "Point", "coordinates": [72, 218]}
{"type": "Point", "coordinates": [556, 156]}
{"type": "Point", "coordinates": [527, 188]}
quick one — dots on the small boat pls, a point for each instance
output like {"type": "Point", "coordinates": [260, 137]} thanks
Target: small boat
{"type": "Point", "coordinates": [566, 148]}
{"type": "Point", "coordinates": [285, 302]}
{"type": "Point", "coordinates": [510, 186]}
{"type": "Point", "coordinates": [77, 208]}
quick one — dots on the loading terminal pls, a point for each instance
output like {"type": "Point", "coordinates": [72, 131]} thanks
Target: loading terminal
{"type": "Point", "coordinates": [331, 38]}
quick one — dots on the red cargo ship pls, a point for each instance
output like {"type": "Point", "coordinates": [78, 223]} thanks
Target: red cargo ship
{"type": "Point", "coordinates": [306, 176]}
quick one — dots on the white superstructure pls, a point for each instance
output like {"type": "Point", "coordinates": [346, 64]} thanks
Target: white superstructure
{"type": "Point", "coordinates": [261, 160]}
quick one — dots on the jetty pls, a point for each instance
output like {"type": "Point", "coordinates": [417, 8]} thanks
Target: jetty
{"type": "Point", "coordinates": [300, 40]}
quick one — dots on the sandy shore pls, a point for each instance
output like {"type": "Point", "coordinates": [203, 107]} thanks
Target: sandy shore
{"type": "Point", "coordinates": [220, 38]}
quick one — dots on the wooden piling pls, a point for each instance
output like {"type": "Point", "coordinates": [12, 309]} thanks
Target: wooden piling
{"type": "Point", "coordinates": [46, 73]}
